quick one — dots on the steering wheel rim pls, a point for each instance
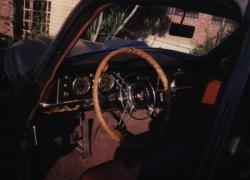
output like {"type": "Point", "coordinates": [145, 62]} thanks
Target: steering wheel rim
{"type": "Point", "coordinates": [103, 66]}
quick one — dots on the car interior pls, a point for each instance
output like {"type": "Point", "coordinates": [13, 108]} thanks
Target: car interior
{"type": "Point", "coordinates": [119, 109]}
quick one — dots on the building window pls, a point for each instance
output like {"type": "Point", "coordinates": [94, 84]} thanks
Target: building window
{"type": "Point", "coordinates": [217, 19]}
{"type": "Point", "coordinates": [37, 13]}
{"type": "Point", "coordinates": [27, 25]}
{"type": "Point", "coordinates": [192, 15]}
{"type": "Point", "coordinates": [49, 6]}
{"type": "Point", "coordinates": [175, 12]}
{"type": "Point", "coordinates": [37, 6]}
{"type": "Point", "coordinates": [27, 15]}
{"type": "Point", "coordinates": [179, 12]}
{"type": "Point", "coordinates": [27, 4]}
{"type": "Point", "coordinates": [229, 21]}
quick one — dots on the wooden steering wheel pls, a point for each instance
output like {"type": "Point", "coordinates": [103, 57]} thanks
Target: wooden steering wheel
{"type": "Point", "coordinates": [112, 132]}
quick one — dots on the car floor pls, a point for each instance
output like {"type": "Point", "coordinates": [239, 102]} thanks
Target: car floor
{"type": "Point", "coordinates": [73, 164]}
{"type": "Point", "coordinates": [176, 151]}
{"type": "Point", "coordinates": [52, 161]}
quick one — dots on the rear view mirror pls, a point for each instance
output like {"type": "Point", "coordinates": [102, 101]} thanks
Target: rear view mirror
{"type": "Point", "coordinates": [181, 30]}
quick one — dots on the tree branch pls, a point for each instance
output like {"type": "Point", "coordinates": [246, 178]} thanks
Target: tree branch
{"type": "Point", "coordinates": [98, 27]}
{"type": "Point", "coordinates": [126, 20]}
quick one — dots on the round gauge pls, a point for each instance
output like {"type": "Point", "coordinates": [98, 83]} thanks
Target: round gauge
{"type": "Point", "coordinates": [106, 82]}
{"type": "Point", "coordinates": [81, 85]}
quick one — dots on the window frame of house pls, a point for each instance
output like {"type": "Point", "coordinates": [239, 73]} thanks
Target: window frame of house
{"type": "Point", "coordinates": [216, 19]}
{"type": "Point", "coordinates": [190, 15]}
{"type": "Point", "coordinates": [36, 8]}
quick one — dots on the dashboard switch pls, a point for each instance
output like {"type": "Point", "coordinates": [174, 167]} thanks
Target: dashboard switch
{"type": "Point", "coordinates": [65, 94]}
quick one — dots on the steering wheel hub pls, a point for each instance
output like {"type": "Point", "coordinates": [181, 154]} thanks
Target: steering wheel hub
{"type": "Point", "coordinates": [142, 94]}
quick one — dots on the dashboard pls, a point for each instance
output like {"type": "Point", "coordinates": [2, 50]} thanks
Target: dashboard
{"type": "Point", "coordinates": [73, 84]}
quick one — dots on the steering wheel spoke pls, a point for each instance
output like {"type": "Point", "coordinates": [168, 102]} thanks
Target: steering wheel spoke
{"type": "Point", "coordinates": [122, 122]}
{"type": "Point", "coordinates": [117, 77]}
{"type": "Point", "coordinates": [149, 110]}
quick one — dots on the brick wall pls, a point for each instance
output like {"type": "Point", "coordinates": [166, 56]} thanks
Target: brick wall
{"type": "Point", "coordinates": [6, 17]}
{"type": "Point", "coordinates": [205, 28]}
{"type": "Point", "coordinates": [60, 10]}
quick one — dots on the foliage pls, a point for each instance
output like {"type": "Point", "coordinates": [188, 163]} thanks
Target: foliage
{"type": "Point", "coordinates": [149, 21]}
{"type": "Point", "coordinates": [38, 26]}
{"type": "Point", "coordinates": [129, 22]}
{"type": "Point", "coordinates": [224, 31]}
{"type": "Point", "coordinates": [113, 18]}
{"type": "Point", "coordinates": [204, 48]}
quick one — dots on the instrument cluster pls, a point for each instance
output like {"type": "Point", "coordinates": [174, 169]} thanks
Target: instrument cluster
{"type": "Point", "coordinates": [72, 87]}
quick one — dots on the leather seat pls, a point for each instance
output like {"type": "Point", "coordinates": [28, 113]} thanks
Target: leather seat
{"type": "Point", "coordinates": [22, 57]}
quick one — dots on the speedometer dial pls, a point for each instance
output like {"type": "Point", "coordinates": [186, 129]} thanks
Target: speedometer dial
{"type": "Point", "coordinates": [81, 85]}
{"type": "Point", "coordinates": [107, 82]}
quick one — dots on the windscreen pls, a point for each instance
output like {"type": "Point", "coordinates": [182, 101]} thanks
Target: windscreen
{"type": "Point", "coordinates": [161, 27]}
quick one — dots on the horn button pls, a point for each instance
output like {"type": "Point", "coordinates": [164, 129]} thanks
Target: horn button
{"type": "Point", "coordinates": [141, 94]}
